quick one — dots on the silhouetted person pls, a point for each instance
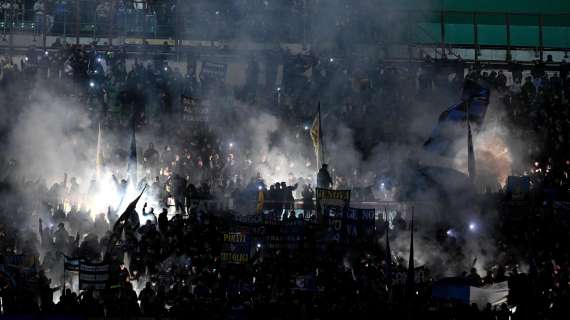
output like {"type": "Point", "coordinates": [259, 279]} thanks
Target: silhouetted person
{"type": "Point", "coordinates": [292, 215]}
{"type": "Point", "coordinates": [150, 156]}
{"type": "Point", "coordinates": [474, 278]}
{"type": "Point", "coordinates": [324, 179]}
{"type": "Point", "coordinates": [163, 221]}
{"type": "Point", "coordinates": [272, 197]}
{"type": "Point", "coordinates": [124, 273]}
{"type": "Point", "coordinates": [147, 297]}
{"type": "Point", "coordinates": [287, 196]}
{"type": "Point", "coordinates": [308, 204]}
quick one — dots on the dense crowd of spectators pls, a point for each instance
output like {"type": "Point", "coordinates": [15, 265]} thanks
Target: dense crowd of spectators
{"type": "Point", "coordinates": [173, 266]}
{"type": "Point", "coordinates": [291, 21]}
{"type": "Point", "coordinates": [217, 19]}
{"type": "Point", "coordinates": [537, 106]}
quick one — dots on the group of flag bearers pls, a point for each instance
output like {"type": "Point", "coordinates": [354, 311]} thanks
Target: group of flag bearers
{"type": "Point", "coordinates": [453, 124]}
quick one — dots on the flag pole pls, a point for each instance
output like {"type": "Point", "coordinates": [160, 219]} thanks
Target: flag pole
{"type": "Point", "coordinates": [321, 135]}
{"type": "Point", "coordinates": [471, 166]}
{"type": "Point", "coordinates": [113, 239]}
{"type": "Point", "coordinates": [63, 285]}
{"type": "Point", "coordinates": [388, 270]}
{"type": "Point", "coordinates": [411, 276]}
{"type": "Point", "coordinates": [410, 280]}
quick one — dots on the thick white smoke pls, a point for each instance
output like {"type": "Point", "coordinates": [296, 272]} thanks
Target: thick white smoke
{"type": "Point", "coordinates": [52, 136]}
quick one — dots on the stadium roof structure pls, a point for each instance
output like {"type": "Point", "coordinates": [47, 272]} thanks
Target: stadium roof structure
{"type": "Point", "coordinates": [488, 23]}
{"type": "Point", "coordinates": [510, 6]}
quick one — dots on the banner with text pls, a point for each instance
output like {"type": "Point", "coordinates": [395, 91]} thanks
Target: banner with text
{"type": "Point", "coordinates": [194, 109]}
{"type": "Point", "coordinates": [214, 70]}
{"type": "Point", "coordinates": [274, 233]}
{"type": "Point", "coordinates": [332, 198]}
{"type": "Point", "coordinates": [93, 275]}
{"type": "Point", "coordinates": [236, 248]}
{"type": "Point", "coordinates": [360, 223]}
{"type": "Point", "coordinates": [400, 276]}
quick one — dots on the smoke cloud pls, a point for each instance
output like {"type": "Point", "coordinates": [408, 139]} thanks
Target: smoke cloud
{"type": "Point", "coordinates": [54, 135]}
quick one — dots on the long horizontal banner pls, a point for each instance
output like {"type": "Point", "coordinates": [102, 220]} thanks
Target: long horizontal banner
{"type": "Point", "coordinates": [93, 275]}
{"type": "Point", "coordinates": [214, 70]}
{"type": "Point", "coordinates": [18, 260]}
{"type": "Point", "coordinates": [399, 277]}
{"type": "Point", "coordinates": [342, 226]}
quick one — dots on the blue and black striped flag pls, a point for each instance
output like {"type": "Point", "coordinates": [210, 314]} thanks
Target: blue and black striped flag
{"type": "Point", "coordinates": [453, 122]}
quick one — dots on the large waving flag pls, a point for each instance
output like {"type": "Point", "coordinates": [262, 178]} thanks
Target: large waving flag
{"type": "Point", "coordinates": [317, 137]}
{"type": "Point", "coordinates": [452, 122]}
{"type": "Point", "coordinates": [129, 218]}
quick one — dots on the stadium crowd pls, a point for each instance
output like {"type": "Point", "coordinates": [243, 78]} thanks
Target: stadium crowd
{"type": "Point", "coordinates": [174, 267]}
{"type": "Point", "coordinates": [148, 18]}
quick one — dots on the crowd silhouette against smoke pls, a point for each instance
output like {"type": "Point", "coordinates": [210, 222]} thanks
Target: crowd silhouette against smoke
{"type": "Point", "coordinates": [221, 167]}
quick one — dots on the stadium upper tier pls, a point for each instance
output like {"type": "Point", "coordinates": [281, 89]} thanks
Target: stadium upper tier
{"type": "Point", "coordinates": [445, 25]}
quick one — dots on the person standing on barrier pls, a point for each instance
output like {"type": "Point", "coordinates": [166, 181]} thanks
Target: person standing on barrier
{"type": "Point", "coordinates": [324, 179]}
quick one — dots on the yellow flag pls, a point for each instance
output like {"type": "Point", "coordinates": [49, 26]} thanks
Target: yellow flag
{"type": "Point", "coordinates": [260, 201]}
{"type": "Point", "coordinates": [316, 135]}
